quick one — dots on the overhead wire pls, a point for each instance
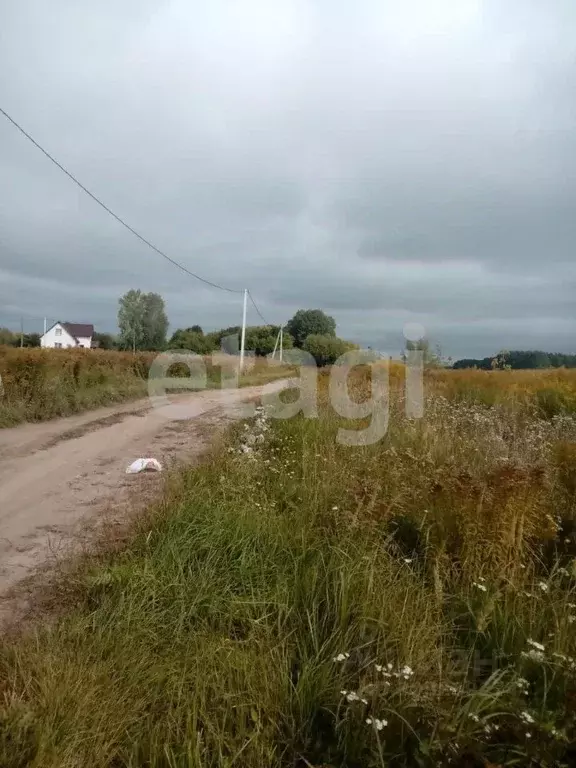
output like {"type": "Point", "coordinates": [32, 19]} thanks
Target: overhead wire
{"type": "Point", "coordinates": [111, 212]}
{"type": "Point", "coordinates": [260, 315]}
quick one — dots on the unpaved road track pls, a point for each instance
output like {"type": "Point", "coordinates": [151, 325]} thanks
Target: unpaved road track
{"type": "Point", "coordinates": [56, 476]}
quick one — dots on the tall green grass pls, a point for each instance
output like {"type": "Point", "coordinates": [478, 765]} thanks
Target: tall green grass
{"type": "Point", "coordinates": [280, 598]}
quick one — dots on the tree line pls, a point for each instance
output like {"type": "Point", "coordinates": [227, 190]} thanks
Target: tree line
{"type": "Point", "coordinates": [310, 330]}
{"type": "Point", "coordinates": [143, 326]}
{"type": "Point", "coordinates": [519, 360]}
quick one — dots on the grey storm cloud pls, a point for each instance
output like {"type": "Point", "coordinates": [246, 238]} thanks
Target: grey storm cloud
{"type": "Point", "coordinates": [387, 162]}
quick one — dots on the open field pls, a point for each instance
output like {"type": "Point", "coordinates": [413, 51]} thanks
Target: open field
{"type": "Point", "coordinates": [42, 384]}
{"type": "Point", "coordinates": [296, 602]}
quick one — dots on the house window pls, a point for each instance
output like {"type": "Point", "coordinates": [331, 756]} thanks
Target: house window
{"type": "Point", "coordinates": [57, 345]}
{"type": "Point", "coordinates": [58, 332]}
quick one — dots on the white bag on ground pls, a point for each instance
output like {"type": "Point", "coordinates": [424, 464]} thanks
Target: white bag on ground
{"type": "Point", "coordinates": [141, 465]}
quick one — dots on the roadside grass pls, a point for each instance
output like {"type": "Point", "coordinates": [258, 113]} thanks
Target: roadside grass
{"type": "Point", "coordinates": [42, 384]}
{"type": "Point", "coordinates": [296, 602]}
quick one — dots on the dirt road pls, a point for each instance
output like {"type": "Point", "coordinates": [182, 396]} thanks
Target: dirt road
{"type": "Point", "coordinates": [56, 476]}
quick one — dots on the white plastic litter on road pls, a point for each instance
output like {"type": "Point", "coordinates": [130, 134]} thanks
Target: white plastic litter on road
{"type": "Point", "coordinates": [143, 465]}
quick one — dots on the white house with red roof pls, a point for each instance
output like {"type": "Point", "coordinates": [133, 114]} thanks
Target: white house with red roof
{"type": "Point", "coordinates": [66, 335]}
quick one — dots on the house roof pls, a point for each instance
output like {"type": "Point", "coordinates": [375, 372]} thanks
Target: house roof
{"type": "Point", "coordinates": [78, 329]}
{"type": "Point", "coordinates": [75, 329]}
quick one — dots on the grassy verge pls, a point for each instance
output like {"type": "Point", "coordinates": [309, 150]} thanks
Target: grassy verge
{"type": "Point", "coordinates": [295, 602]}
{"type": "Point", "coordinates": [42, 384]}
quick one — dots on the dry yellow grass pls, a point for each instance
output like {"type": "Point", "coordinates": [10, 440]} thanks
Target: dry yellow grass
{"type": "Point", "coordinates": [40, 384]}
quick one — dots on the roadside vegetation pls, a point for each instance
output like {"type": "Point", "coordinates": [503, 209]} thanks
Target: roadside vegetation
{"type": "Point", "coordinates": [297, 602]}
{"type": "Point", "coordinates": [42, 384]}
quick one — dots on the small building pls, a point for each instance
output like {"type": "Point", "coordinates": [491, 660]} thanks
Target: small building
{"type": "Point", "coordinates": [66, 335]}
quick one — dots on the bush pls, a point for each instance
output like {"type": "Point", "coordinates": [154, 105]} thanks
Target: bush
{"type": "Point", "coordinates": [192, 341]}
{"type": "Point", "coordinates": [326, 349]}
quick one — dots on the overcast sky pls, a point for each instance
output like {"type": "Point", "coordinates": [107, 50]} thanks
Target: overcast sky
{"type": "Point", "coordinates": [388, 162]}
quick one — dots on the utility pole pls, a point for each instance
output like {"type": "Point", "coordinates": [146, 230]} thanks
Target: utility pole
{"type": "Point", "coordinates": [243, 336]}
{"type": "Point", "coordinates": [45, 323]}
{"type": "Point", "coordinates": [281, 343]}
{"type": "Point", "coordinates": [276, 345]}
{"type": "Point", "coordinates": [21, 332]}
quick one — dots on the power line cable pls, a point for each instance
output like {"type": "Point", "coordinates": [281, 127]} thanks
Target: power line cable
{"type": "Point", "coordinates": [257, 310]}
{"type": "Point", "coordinates": [114, 215]}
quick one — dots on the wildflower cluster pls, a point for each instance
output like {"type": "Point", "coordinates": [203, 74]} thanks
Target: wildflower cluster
{"type": "Point", "coordinates": [404, 673]}
{"type": "Point", "coordinates": [352, 696]}
{"type": "Point", "coordinates": [536, 652]}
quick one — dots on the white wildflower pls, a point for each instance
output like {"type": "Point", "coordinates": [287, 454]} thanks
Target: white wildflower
{"type": "Point", "coordinates": [474, 717]}
{"type": "Point", "coordinates": [479, 586]}
{"type": "Point", "coordinates": [534, 644]}
{"type": "Point", "coordinates": [378, 724]}
{"type": "Point", "coordinates": [406, 672]}
{"type": "Point", "coordinates": [352, 696]}
{"type": "Point", "coordinates": [527, 717]}
{"type": "Point", "coordinates": [543, 586]}
{"type": "Point", "coordinates": [533, 655]}
{"type": "Point", "coordinates": [407, 560]}
{"type": "Point", "coordinates": [341, 657]}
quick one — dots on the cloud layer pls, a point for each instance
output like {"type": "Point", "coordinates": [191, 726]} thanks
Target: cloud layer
{"type": "Point", "coordinates": [386, 162]}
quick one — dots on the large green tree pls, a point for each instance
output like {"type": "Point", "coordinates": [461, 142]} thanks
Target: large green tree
{"type": "Point", "coordinates": [307, 322]}
{"type": "Point", "coordinates": [155, 321]}
{"type": "Point", "coordinates": [142, 321]}
{"type": "Point", "coordinates": [326, 349]}
{"type": "Point", "coordinates": [189, 339]}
